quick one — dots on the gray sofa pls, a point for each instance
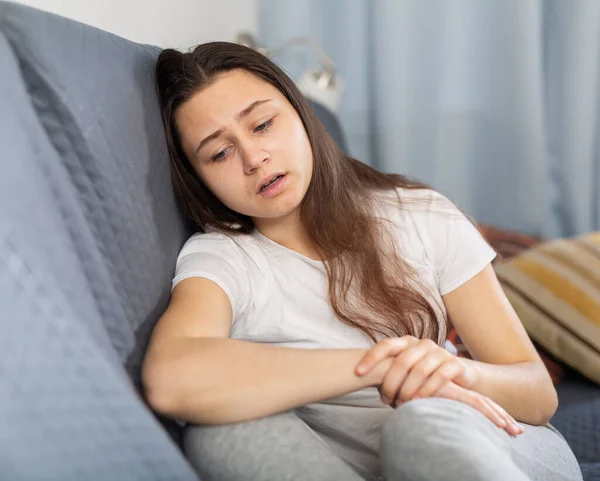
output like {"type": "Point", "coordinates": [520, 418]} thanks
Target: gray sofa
{"type": "Point", "coordinates": [89, 233]}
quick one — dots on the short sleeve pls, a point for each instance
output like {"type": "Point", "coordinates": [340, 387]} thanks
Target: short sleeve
{"type": "Point", "coordinates": [459, 251]}
{"type": "Point", "coordinates": [216, 257]}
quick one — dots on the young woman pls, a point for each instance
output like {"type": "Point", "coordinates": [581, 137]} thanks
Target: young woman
{"type": "Point", "coordinates": [307, 325]}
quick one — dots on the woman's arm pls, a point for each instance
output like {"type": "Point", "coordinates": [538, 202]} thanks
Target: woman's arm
{"type": "Point", "coordinates": [507, 369]}
{"type": "Point", "coordinates": [507, 366]}
{"type": "Point", "coordinates": [193, 372]}
{"type": "Point", "coordinates": [216, 381]}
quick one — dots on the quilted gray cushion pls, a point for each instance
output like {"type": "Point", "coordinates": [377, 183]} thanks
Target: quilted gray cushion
{"type": "Point", "coordinates": [94, 95]}
{"type": "Point", "coordinates": [89, 233]}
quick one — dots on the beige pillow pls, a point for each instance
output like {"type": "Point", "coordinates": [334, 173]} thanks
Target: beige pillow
{"type": "Point", "coordinates": [555, 289]}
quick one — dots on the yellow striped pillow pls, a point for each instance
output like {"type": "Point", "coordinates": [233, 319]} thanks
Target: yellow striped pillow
{"type": "Point", "coordinates": [555, 289]}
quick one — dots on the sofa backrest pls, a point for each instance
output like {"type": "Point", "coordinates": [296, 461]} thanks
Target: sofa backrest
{"type": "Point", "coordinates": [89, 232]}
{"type": "Point", "coordinates": [94, 96]}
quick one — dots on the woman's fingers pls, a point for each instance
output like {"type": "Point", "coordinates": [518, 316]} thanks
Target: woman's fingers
{"type": "Point", "coordinates": [382, 350]}
{"type": "Point", "coordinates": [415, 361]}
{"type": "Point", "coordinates": [448, 371]}
{"type": "Point", "coordinates": [421, 372]}
{"type": "Point", "coordinates": [398, 371]}
{"type": "Point", "coordinates": [512, 426]}
{"type": "Point", "coordinates": [483, 404]}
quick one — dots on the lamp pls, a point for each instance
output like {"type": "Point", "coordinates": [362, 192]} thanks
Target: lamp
{"type": "Point", "coordinates": [321, 85]}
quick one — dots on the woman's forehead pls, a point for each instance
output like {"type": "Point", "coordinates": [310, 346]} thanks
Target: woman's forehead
{"type": "Point", "coordinates": [236, 88]}
{"type": "Point", "coordinates": [228, 96]}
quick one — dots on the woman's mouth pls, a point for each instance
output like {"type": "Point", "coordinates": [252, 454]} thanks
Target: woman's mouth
{"type": "Point", "coordinates": [274, 186]}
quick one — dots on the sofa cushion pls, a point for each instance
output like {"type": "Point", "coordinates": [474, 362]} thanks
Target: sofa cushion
{"type": "Point", "coordinates": [95, 97]}
{"type": "Point", "coordinates": [67, 408]}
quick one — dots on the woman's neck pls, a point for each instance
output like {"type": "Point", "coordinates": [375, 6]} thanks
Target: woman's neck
{"type": "Point", "coordinates": [288, 232]}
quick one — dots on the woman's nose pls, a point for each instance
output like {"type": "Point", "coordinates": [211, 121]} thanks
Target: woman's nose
{"type": "Point", "coordinates": [253, 154]}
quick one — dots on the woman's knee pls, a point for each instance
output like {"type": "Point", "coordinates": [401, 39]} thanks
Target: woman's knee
{"type": "Point", "coordinates": [418, 427]}
{"type": "Point", "coordinates": [432, 415]}
{"type": "Point", "coordinates": [433, 437]}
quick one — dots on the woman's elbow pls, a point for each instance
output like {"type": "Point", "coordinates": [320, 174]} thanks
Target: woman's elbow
{"type": "Point", "coordinates": [552, 404]}
{"type": "Point", "coordinates": [547, 404]}
{"type": "Point", "coordinates": [159, 390]}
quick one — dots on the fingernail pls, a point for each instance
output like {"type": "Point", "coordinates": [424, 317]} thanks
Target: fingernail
{"type": "Point", "coordinates": [385, 400]}
{"type": "Point", "coordinates": [501, 422]}
{"type": "Point", "coordinates": [416, 396]}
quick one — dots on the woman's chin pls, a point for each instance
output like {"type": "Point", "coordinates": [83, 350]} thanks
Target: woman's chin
{"type": "Point", "coordinates": [276, 213]}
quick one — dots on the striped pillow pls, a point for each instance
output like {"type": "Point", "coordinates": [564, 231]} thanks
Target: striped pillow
{"type": "Point", "coordinates": [555, 289]}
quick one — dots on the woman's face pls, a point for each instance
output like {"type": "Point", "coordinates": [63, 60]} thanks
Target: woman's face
{"type": "Point", "coordinates": [248, 145]}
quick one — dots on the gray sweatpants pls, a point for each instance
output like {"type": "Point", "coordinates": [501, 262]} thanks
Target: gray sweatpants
{"type": "Point", "coordinates": [426, 439]}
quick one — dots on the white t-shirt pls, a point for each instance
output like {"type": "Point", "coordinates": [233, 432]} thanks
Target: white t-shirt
{"type": "Point", "coordinates": [279, 296]}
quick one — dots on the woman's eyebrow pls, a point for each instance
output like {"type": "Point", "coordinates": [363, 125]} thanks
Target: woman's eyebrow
{"type": "Point", "coordinates": [207, 139]}
{"type": "Point", "coordinates": [242, 114]}
{"type": "Point", "coordinates": [251, 107]}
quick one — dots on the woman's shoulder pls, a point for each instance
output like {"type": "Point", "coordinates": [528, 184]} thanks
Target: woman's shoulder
{"type": "Point", "coordinates": [236, 248]}
{"type": "Point", "coordinates": [420, 218]}
{"type": "Point", "coordinates": [426, 196]}
{"type": "Point", "coordinates": [417, 204]}
{"type": "Point", "coordinates": [207, 242]}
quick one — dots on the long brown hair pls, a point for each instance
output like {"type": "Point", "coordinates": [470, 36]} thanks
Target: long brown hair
{"type": "Point", "coordinates": [370, 287]}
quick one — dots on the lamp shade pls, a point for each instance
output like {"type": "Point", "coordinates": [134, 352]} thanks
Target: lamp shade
{"type": "Point", "coordinates": [321, 87]}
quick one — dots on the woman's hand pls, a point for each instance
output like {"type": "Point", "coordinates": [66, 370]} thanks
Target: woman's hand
{"type": "Point", "coordinates": [421, 368]}
{"type": "Point", "coordinates": [484, 405]}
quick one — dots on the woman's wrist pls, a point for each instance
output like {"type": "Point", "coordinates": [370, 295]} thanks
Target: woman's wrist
{"type": "Point", "coordinates": [376, 375]}
{"type": "Point", "coordinates": [472, 373]}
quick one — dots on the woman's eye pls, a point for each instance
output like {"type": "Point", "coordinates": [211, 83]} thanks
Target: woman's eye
{"type": "Point", "coordinates": [219, 156]}
{"type": "Point", "coordinates": [264, 126]}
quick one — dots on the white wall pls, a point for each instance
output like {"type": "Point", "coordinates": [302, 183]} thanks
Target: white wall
{"type": "Point", "coordinates": [166, 23]}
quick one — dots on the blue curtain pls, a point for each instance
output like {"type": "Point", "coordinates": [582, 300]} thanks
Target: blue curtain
{"type": "Point", "coordinates": [496, 103]}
